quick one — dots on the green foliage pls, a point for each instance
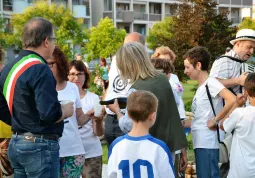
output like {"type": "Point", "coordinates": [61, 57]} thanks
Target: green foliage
{"type": "Point", "coordinates": [92, 86]}
{"type": "Point", "coordinates": [195, 23]}
{"type": "Point", "coordinates": [190, 149]}
{"type": "Point", "coordinates": [67, 28]}
{"type": "Point", "coordinates": [247, 23]}
{"type": "Point", "coordinates": [188, 105]}
{"type": "Point", "coordinates": [104, 40]}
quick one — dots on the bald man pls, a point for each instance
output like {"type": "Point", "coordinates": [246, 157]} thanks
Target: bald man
{"type": "Point", "coordinates": [117, 88]}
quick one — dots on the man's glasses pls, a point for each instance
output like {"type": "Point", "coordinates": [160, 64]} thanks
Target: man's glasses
{"type": "Point", "coordinates": [54, 39]}
{"type": "Point", "coordinates": [73, 75]}
{"type": "Point", "coordinates": [50, 64]}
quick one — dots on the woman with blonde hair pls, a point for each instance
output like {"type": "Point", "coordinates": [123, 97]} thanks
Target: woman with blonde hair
{"type": "Point", "coordinates": [135, 67]}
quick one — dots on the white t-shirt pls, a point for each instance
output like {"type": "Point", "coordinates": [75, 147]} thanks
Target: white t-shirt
{"type": "Point", "coordinates": [91, 143]}
{"type": "Point", "coordinates": [139, 156]}
{"type": "Point", "coordinates": [70, 143]}
{"type": "Point", "coordinates": [242, 154]}
{"type": "Point", "coordinates": [176, 85]}
{"type": "Point", "coordinates": [117, 87]}
{"type": "Point", "coordinates": [226, 68]}
{"type": "Point", "coordinates": [202, 136]}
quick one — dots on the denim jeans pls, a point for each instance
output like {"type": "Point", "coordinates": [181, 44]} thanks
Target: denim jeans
{"type": "Point", "coordinates": [34, 159]}
{"type": "Point", "coordinates": [207, 163]}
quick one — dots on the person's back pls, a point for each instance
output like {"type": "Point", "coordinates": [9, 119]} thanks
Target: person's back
{"type": "Point", "coordinates": [138, 154]}
{"type": "Point", "coordinates": [241, 123]}
{"type": "Point", "coordinates": [143, 156]}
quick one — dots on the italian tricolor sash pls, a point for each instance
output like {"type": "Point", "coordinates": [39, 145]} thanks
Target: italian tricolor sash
{"type": "Point", "coordinates": [15, 72]}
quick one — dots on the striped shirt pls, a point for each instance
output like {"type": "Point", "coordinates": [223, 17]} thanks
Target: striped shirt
{"type": "Point", "coordinates": [226, 68]}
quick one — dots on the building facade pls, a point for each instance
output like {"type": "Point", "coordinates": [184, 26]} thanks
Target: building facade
{"type": "Point", "coordinates": [141, 15]}
{"type": "Point", "coordinates": [80, 8]}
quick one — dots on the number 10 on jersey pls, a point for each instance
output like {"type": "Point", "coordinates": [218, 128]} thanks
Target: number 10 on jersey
{"type": "Point", "coordinates": [124, 166]}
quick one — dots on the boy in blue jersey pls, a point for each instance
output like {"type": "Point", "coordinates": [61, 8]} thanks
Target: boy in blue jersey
{"type": "Point", "coordinates": [138, 154]}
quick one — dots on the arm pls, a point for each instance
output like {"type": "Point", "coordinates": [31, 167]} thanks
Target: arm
{"type": "Point", "coordinates": [234, 81]}
{"type": "Point", "coordinates": [44, 88]}
{"type": "Point", "coordinates": [98, 126]}
{"type": "Point", "coordinates": [81, 117]}
{"type": "Point", "coordinates": [230, 100]}
{"type": "Point", "coordinates": [240, 101]}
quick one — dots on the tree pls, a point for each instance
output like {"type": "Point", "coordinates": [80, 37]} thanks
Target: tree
{"type": "Point", "coordinates": [247, 23]}
{"type": "Point", "coordinates": [104, 40]}
{"type": "Point", "coordinates": [196, 22]}
{"type": "Point", "coordinates": [67, 28]}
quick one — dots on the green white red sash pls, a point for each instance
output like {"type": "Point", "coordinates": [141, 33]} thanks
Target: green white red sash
{"type": "Point", "coordinates": [20, 67]}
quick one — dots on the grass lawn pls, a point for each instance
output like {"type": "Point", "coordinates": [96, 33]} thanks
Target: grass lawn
{"type": "Point", "coordinates": [187, 96]}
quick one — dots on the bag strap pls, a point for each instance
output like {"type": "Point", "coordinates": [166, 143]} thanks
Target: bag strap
{"type": "Point", "coordinates": [232, 58]}
{"type": "Point", "coordinates": [211, 103]}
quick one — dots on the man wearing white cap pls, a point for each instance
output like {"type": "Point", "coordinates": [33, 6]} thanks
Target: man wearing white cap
{"type": "Point", "coordinates": [227, 69]}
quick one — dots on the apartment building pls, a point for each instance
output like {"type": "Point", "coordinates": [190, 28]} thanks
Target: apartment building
{"type": "Point", "coordinates": [80, 8]}
{"type": "Point", "coordinates": [141, 15]}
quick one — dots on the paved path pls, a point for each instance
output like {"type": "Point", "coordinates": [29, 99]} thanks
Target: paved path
{"type": "Point", "coordinates": [104, 171]}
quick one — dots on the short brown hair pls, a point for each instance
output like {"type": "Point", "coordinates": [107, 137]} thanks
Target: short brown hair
{"type": "Point", "coordinates": [164, 50]}
{"type": "Point", "coordinates": [141, 104]}
{"type": "Point", "coordinates": [80, 66]}
{"type": "Point", "coordinates": [198, 54]}
{"type": "Point", "coordinates": [163, 64]}
{"type": "Point", "coordinates": [249, 84]}
{"type": "Point", "coordinates": [104, 61]}
{"type": "Point", "coordinates": [62, 64]}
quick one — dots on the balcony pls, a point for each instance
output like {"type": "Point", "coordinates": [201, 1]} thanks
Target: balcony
{"type": "Point", "coordinates": [79, 11]}
{"type": "Point", "coordinates": [125, 16]}
{"type": "Point", "coordinates": [108, 14]}
{"type": "Point", "coordinates": [155, 17]}
{"type": "Point", "coordinates": [235, 20]}
{"type": "Point", "coordinates": [140, 16]}
{"type": "Point", "coordinates": [7, 5]}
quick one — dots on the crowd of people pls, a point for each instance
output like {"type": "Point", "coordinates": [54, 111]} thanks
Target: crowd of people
{"type": "Point", "coordinates": [49, 127]}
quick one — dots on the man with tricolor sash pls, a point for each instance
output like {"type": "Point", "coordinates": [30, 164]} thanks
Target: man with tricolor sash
{"type": "Point", "coordinates": [27, 89]}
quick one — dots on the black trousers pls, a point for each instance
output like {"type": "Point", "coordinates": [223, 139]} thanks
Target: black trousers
{"type": "Point", "coordinates": [111, 129]}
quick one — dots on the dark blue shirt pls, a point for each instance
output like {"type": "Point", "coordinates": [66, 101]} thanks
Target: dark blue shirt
{"type": "Point", "coordinates": [35, 104]}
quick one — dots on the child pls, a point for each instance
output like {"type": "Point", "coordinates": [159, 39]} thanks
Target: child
{"type": "Point", "coordinates": [242, 122]}
{"type": "Point", "coordinates": [138, 154]}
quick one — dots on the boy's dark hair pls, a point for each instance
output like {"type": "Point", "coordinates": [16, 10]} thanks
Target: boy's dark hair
{"type": "Point", "coordinates": [141, 104]}
{"type": "Point", "coordinates": [198, 54]}
{"type": "Point", "coordinates": [163, 64]}
{"type": "Point", "coordinates": [249, 84]}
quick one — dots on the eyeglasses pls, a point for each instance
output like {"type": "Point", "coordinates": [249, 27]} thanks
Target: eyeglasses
{"type": "Point", "coordinates": [50, 64]}
{"type": "Point", "coordinates": [79, 75]}
{"type": "Point", "coordinates": [54, 39]}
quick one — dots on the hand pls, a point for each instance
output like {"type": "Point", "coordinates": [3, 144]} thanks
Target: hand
{"type": "Point", "coordinates": [211, 125]}
{"type": "Point", "coordinates": [183, 160]}
{"type": "Point", "coordinates": [68, 109]}
{"type": "Point", "coordinates": [240, 99]}
{"type": "Point", "coordinates": [90, 113]}
{"type": "Point", "coordinates": [242, 78]}
{"type": "Point", "coordinates": [114, 107]}
{"type": "Point", "coordinates": [98, 119]}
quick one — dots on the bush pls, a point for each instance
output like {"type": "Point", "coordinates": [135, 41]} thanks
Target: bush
{"type": "Point", "coordinates": [188, 106]}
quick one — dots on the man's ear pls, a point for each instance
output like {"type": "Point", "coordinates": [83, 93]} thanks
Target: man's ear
{"type": "Point", "coordinates": [199, 65]}
{"type": "Point", "coordinates": [45, 43]}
